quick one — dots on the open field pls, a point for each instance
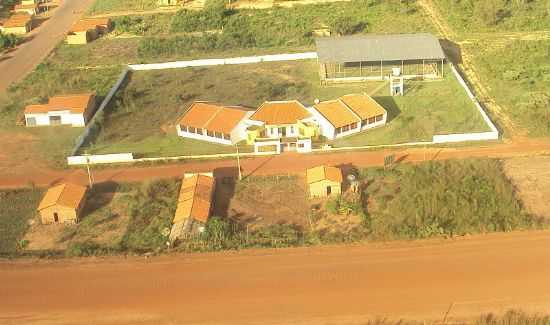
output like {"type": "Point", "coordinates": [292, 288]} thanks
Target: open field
{"type": "Point", "coordinates": [495, 15]}
{"type": "Point", "coordinates": [143, 118]}
{"type": "Point", "coordinates": [106, 6]}
{"type": "Point", "coordinates": [517, 74]}
{"type": "Point", "coordinates": [16, 209]}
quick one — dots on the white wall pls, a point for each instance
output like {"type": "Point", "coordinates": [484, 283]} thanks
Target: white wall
{"type": "Point", "coordinates": [100, 159]}
{"type": "Point", "coordinates": [376, 124]}
{"type": "Point", "coordinates": [67, 118]}
{"type": "Point", "coordinates": [202, 137]}
{"type": "Point", "coordinates": [239, 132]}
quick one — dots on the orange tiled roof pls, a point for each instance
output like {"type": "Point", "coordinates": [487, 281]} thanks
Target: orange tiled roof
{"type": "Point", "coordinates": [17, 20]}
{"type": "Point", "coordinates": [212, 117]}
{"type": "Point", "coordinates": [363, 105]}
{"type": "Point", "coordinates": [73, 103]}
{"type": "Point", "coordinates": [89, 23]}
{"type": "Point", "coordinates": [67, 195]}
{"type": "Point", "coordinates": [337, 113]}
{"type": "Point", "coordinates": [27, 6]}
{"type": "Point", "coordinates": [195, 198]}
{"type": "Point", "coordinates": [280, 112]}
{"type": "Point", "coordinates": [321, 173]}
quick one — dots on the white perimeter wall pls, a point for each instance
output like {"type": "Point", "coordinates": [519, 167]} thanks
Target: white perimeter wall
{"type": "Point", "coordinates": [100, 159]}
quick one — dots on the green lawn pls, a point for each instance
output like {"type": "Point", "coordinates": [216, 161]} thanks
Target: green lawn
{"type": "Point", "coordinates": [495, 15]}
{"type": "Point", "coordinates": [108, 6]}
{"type": "Point", "coordinates": [427, 109]}
{"type": "Point", "coordinates": [518, 73]}
{"type": "Point", "coordinates": [143, 117]}
{"type": "Point", "coordinates": [17, 207]}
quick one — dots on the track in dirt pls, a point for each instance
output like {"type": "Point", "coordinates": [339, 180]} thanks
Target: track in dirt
{"type": "Point", "coordinates": [320, 285]}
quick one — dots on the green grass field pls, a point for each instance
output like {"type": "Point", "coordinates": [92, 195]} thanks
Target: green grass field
{"type": "Point", "coordinates": [495, 15]}
{"type": "Point", "coordinates": [142, 120]}
{"type": "Point", "coordinates": [518, 73]}
{"type": "Point", "coordinates": [108, 6]}
{"type": "Point", "coordinates": [17, 207]}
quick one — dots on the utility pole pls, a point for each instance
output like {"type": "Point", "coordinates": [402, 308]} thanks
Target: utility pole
{"type": "Point", "coordinates": [239, 163]}
{"type": "Point", "coordinates": [90, 180]}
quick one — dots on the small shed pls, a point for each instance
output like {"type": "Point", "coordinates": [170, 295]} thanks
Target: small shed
{"type": "Point", "coordinates": [75, 110]}
{"type": "Point", "coordinates": [62, 204]}
{"type": "Point", "coordinates": [324, 181]}
{"type": "Point", "coordinates": [87, 30]}
{"type": "Point", "coordinates": [19, 24]}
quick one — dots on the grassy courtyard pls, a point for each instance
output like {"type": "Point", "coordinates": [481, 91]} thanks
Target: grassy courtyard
{"type": "Point", "coordinates": [143, 117]}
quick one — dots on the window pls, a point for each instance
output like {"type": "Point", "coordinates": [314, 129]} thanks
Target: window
{"type": "Point", "coordinates": [219, 135]}
{"type": "Point", "coordinates": [191, 129]}
{"type": "Point", "coordinates": [338, 130]}
{"type": "Point", "coordinates": [292, 129]}
{"type": "Point", "coordinates": [31, 121]}
{"type": "Point", "coordinates": [371, 120]}
{"type": "Point", "coordinates": [301, 145]}
{"type": "Point", "coordinates": [379, 118]}
{"type": "Point", "coordinates": [55, 120]}
{"type": "Point", "coordinates": [226, 136]}
{"type": "Point", "coordinates": [210, 133]}
{"type": "Point", "coordinates": [364, 122]}
{"type": "Point", "coordinates": [345, 128]}
{"type": "Point", "coordinates": [200, 131]}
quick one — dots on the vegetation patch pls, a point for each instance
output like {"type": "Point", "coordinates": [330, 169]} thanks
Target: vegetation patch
{"type": "Point", "coordinates": [495, 15]}
{"type": "Point", "coordinates": [109, 6]}
{"type": "Point", "coordinates": [519, 75]}
{"type": "Point", "coordinates": [17, 207]}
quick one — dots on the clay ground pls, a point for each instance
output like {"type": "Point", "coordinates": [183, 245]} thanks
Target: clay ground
{"type": "Point", "coordinates": [531, 177]}
{"type": "Point", "coordinates": [320, 285]}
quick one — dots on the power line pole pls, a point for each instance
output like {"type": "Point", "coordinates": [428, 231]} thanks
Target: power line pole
{"type": "Point", "coordinates": [90, 179]}
{"type": "Point", "coordinates": [239, 163]}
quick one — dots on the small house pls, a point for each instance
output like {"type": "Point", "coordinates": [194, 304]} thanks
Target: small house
{"type": "Point", "coordinates": [324, 181]}
{"type": "Point", "coordinates": [281, 126]}
{"type": "Point", "coordinates": [19, 24]}
{"type": "Point", "coordinates": [87, 30]}
{"type": "Point", "coordinates": [74, 110]}
{"type": "Point", "coordinates": [166, 3]}
{"type": "Point", "coordinates": [194, 205]}
{"type": "Point", "coordinates": [62, 204]}
{"type": "Point", "coordinates": [213, 123]}
{"type": "Point", "coordinates": [29, 9]}
{"type": "Point", "coordinates": [348, 115]}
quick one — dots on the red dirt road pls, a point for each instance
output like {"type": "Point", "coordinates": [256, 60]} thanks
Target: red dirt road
{"type": "Point", "coordinates": [282, 164]}
{"type": "Point", "coordinates": [320, 285]}
{"type": "Point", "coordinates": [16, 65]}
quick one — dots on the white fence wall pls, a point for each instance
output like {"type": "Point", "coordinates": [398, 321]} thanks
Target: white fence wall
{"type": "Point", "coordinates": [101, 159]}
{"type": "Point", "coordinates": [237, 60]}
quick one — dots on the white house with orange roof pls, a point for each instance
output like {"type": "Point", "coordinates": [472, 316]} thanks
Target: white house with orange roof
{"type": "Point", "coordinates": [214, 123]}
{"type": "Point", "coordinates": [74, 110]}
{"type": "Point", "coordinates": [348, 115]}
{"type": "Point", "coordinates": [281, 126]}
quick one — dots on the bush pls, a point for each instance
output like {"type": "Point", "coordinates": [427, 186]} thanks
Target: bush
{"type": "Point", "coordinates": [7, 41]}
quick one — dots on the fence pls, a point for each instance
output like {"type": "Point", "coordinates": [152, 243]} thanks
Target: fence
{"type": "Point", "coordinates": [82, 138]}
{"type": "Point", "coordinates": [212, 62]}
{"type": "Point", "coordinates": [100, 159]}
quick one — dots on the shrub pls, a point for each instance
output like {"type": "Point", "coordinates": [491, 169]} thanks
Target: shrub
{"type": "Point", "coordinates": [7, 41]}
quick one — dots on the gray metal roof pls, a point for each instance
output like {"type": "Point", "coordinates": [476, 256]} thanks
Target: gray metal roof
{"type": "Point", "coordinates": [371, 47]}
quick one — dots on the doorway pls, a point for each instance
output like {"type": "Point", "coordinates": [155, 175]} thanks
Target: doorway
{"type": "Point", "coordinates": [329, 190]}
{"type": "Point", "coordinates": [55, 217]}
{"type": "Point", "coordinates": [55, 120]}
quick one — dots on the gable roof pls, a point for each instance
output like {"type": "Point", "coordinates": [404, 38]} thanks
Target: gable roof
{"type": "Point", "coordinates": [67, 195]}
{"type": "Point", "coordinates": [89, 23]}
{"type": "Point", "coordinates": [337, 113]}
{"type": "Point", "coordinates": [17, 20]}
{"type": "Point", "coordinates": [213, 117]}
{"type": "Point", "coordinates": [78, 103]}
{"type": "Point", "coordinates": [363, 105]}
{"type": "Point", "coordinates": [280, 112]}
{"type": "Point", "coordinates": [321, 173]}
{"type": "Point", "coordinates": [376, 47]}
{"type": "Point", "coordinates": [195, 198]}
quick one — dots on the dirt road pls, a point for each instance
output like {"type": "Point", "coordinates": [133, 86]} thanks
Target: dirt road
{"type": "Point", "coordinates": [15, 65]}
{"type": "Point", "coordinates": [282, 164]}
{"type": "Point", "coordinates": [321, 285]}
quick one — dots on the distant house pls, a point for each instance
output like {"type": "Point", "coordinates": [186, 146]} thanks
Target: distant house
{"type": "Point", "coordinates": [164, 3]}
{"type": "Point", "coordinates": [62, 204]}
{"type": "Point", "coordinates": [74, 110]}
{"type": "Point", "coordinates": [87, 30]}
{"type": "Point", "coordinates": [29, 9]}
{"type": "Point", "coordinates": [374, 57]}
{"type": "Point", "coordinates": [213, 123]}
{"type": "Point", "coordinates": [194, 205]}
{"type": "Point", "coordinates": [19, 24]}
{"type": "Point", "coordinates": [324, 181]}
{"type": "Point", "coordinates": [31, 2]}
{"type": "Point", "coordinates": [281, 126]}
{"type": "Point", "coordinates": [348, 114]}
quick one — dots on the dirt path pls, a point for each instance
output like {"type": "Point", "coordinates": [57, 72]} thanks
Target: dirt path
{"type": "Point", "coordinates": [467, 66]}
{"type": "Point", "coordinates": [283, 164]}
{"type": "Point", "coordinates": [320, 285]}
{"type": "Point", "coordinates": [17, 64]}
